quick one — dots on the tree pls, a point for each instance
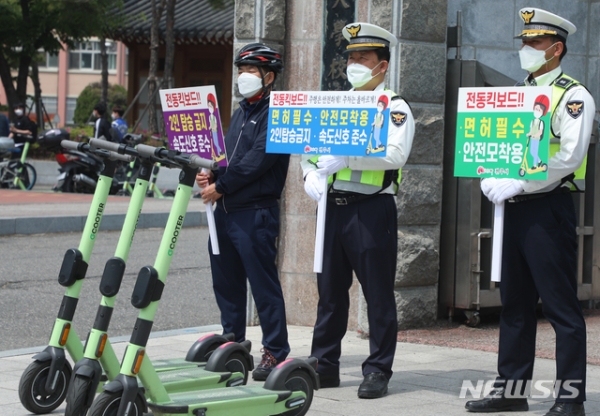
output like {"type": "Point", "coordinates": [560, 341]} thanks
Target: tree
{"type": "Point", "coordinates": [26, 26]}
{"type": "Point", "coordinates": [157, 10]}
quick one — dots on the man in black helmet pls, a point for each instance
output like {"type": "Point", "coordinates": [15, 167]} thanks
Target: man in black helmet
{"type": "Point", "coordinates": [247, 191]}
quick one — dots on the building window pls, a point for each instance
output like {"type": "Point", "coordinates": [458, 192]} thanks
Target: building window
{"type": "Point", "coordinates": [86, 55]}
{"type": "Point", "coordinates": [50, 61]}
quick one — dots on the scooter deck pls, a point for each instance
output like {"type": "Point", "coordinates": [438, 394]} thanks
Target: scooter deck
{"type": "Point", "coordinates": [196, 378]}
{"type": "Point", "coordinates": [249, 400]}
{"type": "Point", "coordinates": [175, 364]}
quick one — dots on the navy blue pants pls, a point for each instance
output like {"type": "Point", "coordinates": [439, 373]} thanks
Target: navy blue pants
{"type": "Point", "coordinates": [248, 251]}
{"type": "Point", "coordinates": [539, 261]}
{"type": "Point", "coordinates": [360, 237]}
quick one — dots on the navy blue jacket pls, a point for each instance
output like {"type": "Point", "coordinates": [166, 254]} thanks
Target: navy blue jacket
{"type": "Point", "coordinates": [252, 178]}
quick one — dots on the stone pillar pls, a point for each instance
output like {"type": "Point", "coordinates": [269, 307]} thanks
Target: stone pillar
{"type": "Point", "coordinates": [419, 76]}
{"type": "Point", "coordinates": [303, 69]}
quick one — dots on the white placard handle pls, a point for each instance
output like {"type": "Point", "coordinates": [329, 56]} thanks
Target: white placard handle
{"type": "Point", "coordinates": [212, 228]}
{"type": "Point", "coordinates": [320, 233]}
{"type": "Point", "coordinates": [497, 238]}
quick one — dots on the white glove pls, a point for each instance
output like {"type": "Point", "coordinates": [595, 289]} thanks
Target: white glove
{"type": "Point", "coordinates": [487, 184]}
{"type": "Point", "coordinates": [329, 164]}
{"type": "Point", "coordinates": [504, 189]}
{"type": "Point", "coordinates": [312, 185]}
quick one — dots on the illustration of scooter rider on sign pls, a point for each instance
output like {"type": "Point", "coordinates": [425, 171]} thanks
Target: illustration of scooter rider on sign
{"type": "Point", "coordinates": [377, 125]}
{"type": "Point", "coordinates": [535, 135]}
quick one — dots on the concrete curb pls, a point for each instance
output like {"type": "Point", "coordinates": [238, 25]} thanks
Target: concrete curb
{"type": "Point", "coordinates": [110, 222]}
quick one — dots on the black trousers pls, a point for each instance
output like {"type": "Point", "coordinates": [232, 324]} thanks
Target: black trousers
{"type": "Point", "coordinates": [360, 237]}
{"type": "Point", "coordinates": [248, 251]}
{"type": "Point", "coordinates": [540, 261]}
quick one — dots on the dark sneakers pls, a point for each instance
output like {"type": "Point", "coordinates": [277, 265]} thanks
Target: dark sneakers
{"type": "Point", "coordinates": [566, 409]}
{"type": "Point", "coordinates": [267, 364]}
{"type": "Point", "coordinates": [496, 402]}
{"type": "Point", "coordinates": [374, 386]}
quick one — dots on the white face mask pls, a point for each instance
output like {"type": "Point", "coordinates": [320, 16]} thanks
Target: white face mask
{"type": "Point", "coordinates": [19, 112]}
{"type": "Point", "coordinates": [114, 117]}
{"type": "Point", "coordinates": [533, 59]}
{"type": "Point", "coordinates": [249, 85]}
{"type": "Point", "coordinates": [359, 75]}
{"type": "Point", "coordinates": [537, 114]}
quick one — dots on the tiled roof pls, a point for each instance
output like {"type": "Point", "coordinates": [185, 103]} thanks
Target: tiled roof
{"type": "Point", "coordinates": [196, 21]}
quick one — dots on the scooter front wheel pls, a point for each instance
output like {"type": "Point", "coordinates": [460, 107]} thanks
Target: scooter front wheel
{"type": "Point", "coordinates": [299, 380]}
{"type": "Point", "coordinates": [32, 387]}
{"type": "Point", "coordinates": [107, 404]}
{"type": "Point", "coordinates": [77, 396]}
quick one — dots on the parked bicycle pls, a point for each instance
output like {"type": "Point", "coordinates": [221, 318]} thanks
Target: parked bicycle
{"type": "Point", "coordinates": [16, 173]}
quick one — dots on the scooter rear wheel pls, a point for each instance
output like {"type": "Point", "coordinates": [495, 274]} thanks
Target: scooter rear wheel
{"type": "Point", "coordinates": [107, 404]}
{"type": "Point", "coordinates": [32, 387]}
{"type": "Point", "coordinates": [299, 380]}
{"type": "Point", "coordinates": [236, 362]}
{"type": "Point", "coordinates": [77, 396]}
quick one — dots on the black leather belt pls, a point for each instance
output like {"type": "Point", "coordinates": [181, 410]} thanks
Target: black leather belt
{"type": "Point", "coordinates": [347, 199]}
{"type": "Point", "coordinates": [529, 197]}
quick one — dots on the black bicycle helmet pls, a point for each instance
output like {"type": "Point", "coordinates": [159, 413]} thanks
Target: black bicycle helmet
{"type": "Point", "coordinates": [260, 55]}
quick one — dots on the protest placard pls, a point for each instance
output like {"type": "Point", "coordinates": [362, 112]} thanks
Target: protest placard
{"type": "Point", "coordinates": [503, 133]}
{"type": "Point", "coordinates": [193, 122]}
{"type": "Point", "coordinates": [193, 125]}
{"type": "Point", "coordinates": [345, 123]}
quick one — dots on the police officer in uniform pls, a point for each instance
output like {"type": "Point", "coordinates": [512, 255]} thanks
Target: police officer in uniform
{"type": "Point", "coordinates": [361, 232]}
{"type": "Point", "coordinates": [540, 246]}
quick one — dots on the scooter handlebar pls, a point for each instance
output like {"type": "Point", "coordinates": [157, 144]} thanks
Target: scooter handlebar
{"type": "Point", "coordinates": [97, 150]}
{"type": "Point", "coordinates": [105, 144]}
{"type": "Point", "coordinates": [70, 145]}
{"type": "Point", "coordinates": [193, 161]}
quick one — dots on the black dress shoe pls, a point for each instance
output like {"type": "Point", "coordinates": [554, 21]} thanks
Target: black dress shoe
{"type": "Point", "coordinates": [496, 402]}
{"type": "Point", "coordinates": [328, 381]}
{"type": "Point", "coordinates": [566, 409]}
{"type": "Point", "coordinates": [374, 386]}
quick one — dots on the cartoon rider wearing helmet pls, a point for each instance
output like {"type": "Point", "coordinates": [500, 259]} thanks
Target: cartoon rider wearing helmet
{"type": "Point", "coordinates": [536, 128]}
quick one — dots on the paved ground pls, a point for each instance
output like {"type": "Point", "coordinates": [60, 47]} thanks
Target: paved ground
{"type": "Point", "coordinates": [427, 378]}
{"type": "Point", "coordinates": [430, 366]}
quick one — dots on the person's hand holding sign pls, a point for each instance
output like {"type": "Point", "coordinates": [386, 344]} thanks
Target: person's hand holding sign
{"type": "Point", "coordinates": [328, 164]}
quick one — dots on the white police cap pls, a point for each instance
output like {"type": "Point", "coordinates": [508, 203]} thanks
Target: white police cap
{"type": "Point", "coordinates": [365, 36]}
{"type": "Point", "coordinates": [538, 22]}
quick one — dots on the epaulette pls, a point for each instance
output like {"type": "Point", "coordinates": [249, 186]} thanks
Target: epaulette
{"type": "Point", "coordinates": [398, 97]}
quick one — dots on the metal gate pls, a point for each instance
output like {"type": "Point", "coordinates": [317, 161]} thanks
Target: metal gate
{"type": "Point", "coordinates": [466, 230]}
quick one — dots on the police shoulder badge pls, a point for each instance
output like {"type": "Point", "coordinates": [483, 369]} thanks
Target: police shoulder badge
{"type": "Point", "coordinates": [575, 108]}
{"type": "Point", "coordinates": [398, 118]}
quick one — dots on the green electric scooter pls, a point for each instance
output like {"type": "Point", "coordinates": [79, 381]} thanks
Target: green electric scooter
{"type": "Point", "coordinates": [98, 353]}
{"type": "Point", "coordinates": [44, 382]}
{"type": "Point", "coordinates": [288, 389]}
